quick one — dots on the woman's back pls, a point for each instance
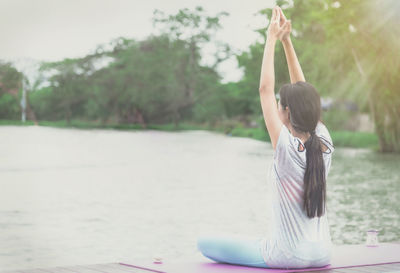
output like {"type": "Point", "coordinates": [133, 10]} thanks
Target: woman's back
{"type": "Point", "coordinates": [295, 239]}
{"type": "Point", "coordinates": [298, 176]}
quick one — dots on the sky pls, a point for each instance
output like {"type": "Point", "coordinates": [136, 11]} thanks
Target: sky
{"type": "Point", "coordinates": [51, 30]}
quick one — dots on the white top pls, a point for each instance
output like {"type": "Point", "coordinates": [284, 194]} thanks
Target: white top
{"type": "Point", "coordinates": [296, 241]}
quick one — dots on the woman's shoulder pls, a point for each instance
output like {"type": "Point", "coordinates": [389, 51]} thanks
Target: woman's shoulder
{"type": "Point", "coordinates": [322, 131]}
{"type": "Point", "coordinates": [287, 141]}
{"type": "Point", "coordinates": [288, 145]}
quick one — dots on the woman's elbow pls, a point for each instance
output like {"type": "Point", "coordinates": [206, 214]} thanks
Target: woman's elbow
{"type": "Point", "coordinates": [265, 88]}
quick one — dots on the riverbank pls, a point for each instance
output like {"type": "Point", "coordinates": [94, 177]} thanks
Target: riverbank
{"type": "Point", "coordinates": [339, 138]}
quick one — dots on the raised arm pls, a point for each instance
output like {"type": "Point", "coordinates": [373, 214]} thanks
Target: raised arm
{"type": "Point", "coordinates": [267, 79]}
{"type": "Point", "coordinates": [295, 72]}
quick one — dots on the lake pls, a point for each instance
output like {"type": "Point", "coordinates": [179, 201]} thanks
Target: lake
{"type": "Point", "coordinates": [71, 196]}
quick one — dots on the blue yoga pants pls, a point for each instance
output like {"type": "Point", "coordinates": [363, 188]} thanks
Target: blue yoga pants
{"type": "Point", "coordinates": [232, 250]}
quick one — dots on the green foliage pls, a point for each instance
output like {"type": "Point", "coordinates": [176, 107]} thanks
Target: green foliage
{"type": "Point", "coordinates": [335, 118]}
{"type": "Point", "coordinates": [10, 83]}
{"type": "Point", "coordinates": [14, 122]}
{"type": "Point", "coordinates": [354, 139]}
{"type": "Point", "coordinates": [360, 46]}
{"type": "Point", "coordinates": [10, 78]}
{"type": "Point", "coordinates": [9, 107]}
{"type": "Point", "coordinates": [159, 79]}
{"type": "Point", "coordinates": [347, 50]}
{"type": "Point", "coordinates": [339, 138]}
{"type": "Point", "coordinates": [41, 101]}
{"type": "Point", "coordinates": [256, 133]}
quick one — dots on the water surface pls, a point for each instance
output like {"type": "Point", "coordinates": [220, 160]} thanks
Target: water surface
{"type": "Point", "coordinates": [71, 196]}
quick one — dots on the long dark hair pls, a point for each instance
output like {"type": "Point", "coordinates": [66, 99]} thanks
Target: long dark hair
{"type": "Point", "coordinates": [304, 105]}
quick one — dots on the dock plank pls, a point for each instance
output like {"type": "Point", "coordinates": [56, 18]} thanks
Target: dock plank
{"type": "Point", "coordinates": [94, 268]}
{"type": "Point", "coordinates": [118, 268]}
{"type": "Point", "coordinates": [62, 269]}
{"type": "Point", "coordinates": [124, 269]}
{"type": "Point", "coordinates": [114, 268]}
{"type": "Point", "coordinates": [369, 268]}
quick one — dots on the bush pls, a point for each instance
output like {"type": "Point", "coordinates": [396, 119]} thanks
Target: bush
{"type": "Point", "coordinates": [9, 108]}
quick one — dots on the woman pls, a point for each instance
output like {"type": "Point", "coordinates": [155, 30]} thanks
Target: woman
{"type": "Point", "coordinates": [303, 148]}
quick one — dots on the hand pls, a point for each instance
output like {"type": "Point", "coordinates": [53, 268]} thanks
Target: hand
{"type": "Point", "coordinates": [288, 29]}
{"type": "Point", "coordinates": [279, 28]}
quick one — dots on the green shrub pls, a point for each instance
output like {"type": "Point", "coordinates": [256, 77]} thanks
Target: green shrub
{"type": "Point", "coordinates": [9, 108]}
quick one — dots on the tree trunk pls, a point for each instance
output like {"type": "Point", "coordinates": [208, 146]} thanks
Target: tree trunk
{"type": "Point", "coordinates": [68, 115]}
{"type": "Point", "coordinates": [383, 112]}
{"type": "Point", "coordinates": [139, 118]}
{"type": "Point", "coordinates": [29, 111]}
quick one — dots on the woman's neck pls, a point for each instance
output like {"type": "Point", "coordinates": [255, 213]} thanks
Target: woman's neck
{"type": "Point", "coordinates": [303, 136]}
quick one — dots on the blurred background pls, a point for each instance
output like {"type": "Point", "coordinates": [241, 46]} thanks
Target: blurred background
{"type": "Point", "coordinates": [129, 128]}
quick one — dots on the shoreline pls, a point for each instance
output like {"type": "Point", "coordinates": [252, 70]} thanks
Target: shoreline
{"type": "Point", "coordinates": [339, 138]}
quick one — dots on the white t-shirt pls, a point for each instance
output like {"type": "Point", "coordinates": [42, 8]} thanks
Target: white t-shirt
{"type": "Point", "coordinates": [296, 241]}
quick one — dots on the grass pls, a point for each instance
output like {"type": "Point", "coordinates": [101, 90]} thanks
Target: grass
{"type": "Point", "coordinates": [355, 139]}
{"type": "Point", "coordinates": [340, 138]}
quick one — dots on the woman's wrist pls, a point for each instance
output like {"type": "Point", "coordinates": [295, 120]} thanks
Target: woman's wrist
{"type": "Point", "coordinates": [271, 39]}
{"type": "Point", "coordinates": [286, 40]}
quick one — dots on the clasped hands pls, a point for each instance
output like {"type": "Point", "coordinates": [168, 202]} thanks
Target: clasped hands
{"type": "Point", "coordinates": [279, 27]}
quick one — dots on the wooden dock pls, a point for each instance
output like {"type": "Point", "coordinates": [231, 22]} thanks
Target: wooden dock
{"type": "Point", "coordinates": [119, 268]}
{"type": "Point", "coordinates": [95, 268]}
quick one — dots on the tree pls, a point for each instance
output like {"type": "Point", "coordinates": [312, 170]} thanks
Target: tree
{"type": "Point", "coordinates": [159, 79]}
{"type": "Point", "coordinates": [10, 91]}
{"type": "Point", "coordinates": [195, 29]}
{"type": "Point", "coordinates": [69, 86]}
{"type": "Point", "coordinates": [360, 46]}
{"type": "Point", "coordinates": [372, 44]}
{"type": "Point", "coordinates": [345, 52]}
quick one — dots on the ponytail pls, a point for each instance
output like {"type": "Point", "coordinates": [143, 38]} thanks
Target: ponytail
{"type": "Point", "coordinates": [314, 178]}
{"type": "Point", "coordinates": [304, 104]}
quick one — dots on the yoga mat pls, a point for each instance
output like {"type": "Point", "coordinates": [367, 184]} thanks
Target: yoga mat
{"type": "Point", "coordinates": [342, 256]}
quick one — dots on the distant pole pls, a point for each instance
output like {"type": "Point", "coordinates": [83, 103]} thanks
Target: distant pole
{"type": "Point", "coordinates": [23, 102]}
